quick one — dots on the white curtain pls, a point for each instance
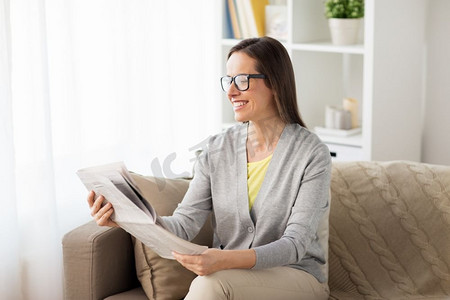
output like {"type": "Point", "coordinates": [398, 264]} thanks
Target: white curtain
{"type": "Point", "coordinates": [86, 82]}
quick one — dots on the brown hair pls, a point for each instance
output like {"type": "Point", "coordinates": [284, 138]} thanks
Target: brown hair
{"type": "Point", "coordinates": [273, 61]}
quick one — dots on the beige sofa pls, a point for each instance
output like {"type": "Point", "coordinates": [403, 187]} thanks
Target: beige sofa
{"type": "Point", "coordinates": [389, 239]}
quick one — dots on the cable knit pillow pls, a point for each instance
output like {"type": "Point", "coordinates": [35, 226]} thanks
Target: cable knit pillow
{"type": "Point", "coordinates": [164, 278]}
{"type": "Point", "coordinates": [389, 231]}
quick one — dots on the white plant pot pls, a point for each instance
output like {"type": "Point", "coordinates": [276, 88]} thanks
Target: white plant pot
{"type": "Point", "coordinates": [344, 31]}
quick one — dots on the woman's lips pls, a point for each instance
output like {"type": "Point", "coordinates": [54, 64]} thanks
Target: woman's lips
{"type": "Point", "coordinates": [239, 104]}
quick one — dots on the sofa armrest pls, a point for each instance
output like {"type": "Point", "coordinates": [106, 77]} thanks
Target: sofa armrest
{"type": "Point", "coordinates": [98, 262]}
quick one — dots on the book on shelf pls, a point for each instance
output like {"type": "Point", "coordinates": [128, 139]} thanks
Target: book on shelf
{"type": "Point", "coordinates": [132, 211]}
{"type": "Point", "coordinates": [232, 18]}
{"type": "Point", "coordinates": [240, 12]}
{"type": "Point", "coordinates": [250, 18]}
{"type": "Point", "coordinates": [227, 25]}
{"type": "Point", "coordinates": [259, 11]}
{"type": "Point", "coordinates": [245, 18]}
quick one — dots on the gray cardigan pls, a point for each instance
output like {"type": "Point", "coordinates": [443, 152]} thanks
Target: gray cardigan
{"type": "Point", "coordinates": [293, 202]}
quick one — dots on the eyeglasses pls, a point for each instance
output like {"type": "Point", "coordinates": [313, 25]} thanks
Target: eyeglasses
{"type": "Point", "coordinates": [241, 81]}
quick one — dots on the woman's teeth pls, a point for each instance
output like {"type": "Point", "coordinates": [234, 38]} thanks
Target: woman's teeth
{"type": "Point", "coordinates": [239, 103]}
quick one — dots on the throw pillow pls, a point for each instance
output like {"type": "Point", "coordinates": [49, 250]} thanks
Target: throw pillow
{"type": "Point", "coordinates": [164, 278]}
{"type": "Point", "coordinates": [389, 230]}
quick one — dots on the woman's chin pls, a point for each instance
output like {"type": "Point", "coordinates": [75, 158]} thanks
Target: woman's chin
{"type": "Point", "coordinates": [240, 118]}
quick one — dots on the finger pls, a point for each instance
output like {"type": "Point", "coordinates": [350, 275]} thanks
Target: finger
{"type": "Point", "coordinates": [184, 263]}
{"type": "Point", "coordinates": [104, 219]}
{"type": "Point", "coordinates": [97, 205]}
{"type": "Point", "coordinates": [108, 215]}
{"type": "Point", "coordinates": [90, 198]}
{"type": "Point", "coordinates": [175, 254]}
{"type": "Point", "coordinates": [104, 209]}
{"type": "Point", "coordinates": [99, 214]}
{"type": "Point", "coordinates": [178, 256]}
{"type": "Point", "coordinates": [186, 259]}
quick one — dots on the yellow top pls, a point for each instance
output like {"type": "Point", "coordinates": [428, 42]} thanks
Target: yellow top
{"type": "Point", "coordinates": [255, 176]}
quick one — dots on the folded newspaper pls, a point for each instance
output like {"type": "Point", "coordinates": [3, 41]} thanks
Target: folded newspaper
{"type": "Point", "coordinates": [132, 212]}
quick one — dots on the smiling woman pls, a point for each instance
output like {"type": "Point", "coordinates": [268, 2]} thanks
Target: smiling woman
{"type": "Point", "coordinates": [266, 183]}
{"type": "Point", "coordinates": [90, 82]}
{"type": "Point", "coordinates": [249, 103]}
{"type": "Point", "coordinates": [257, 163]}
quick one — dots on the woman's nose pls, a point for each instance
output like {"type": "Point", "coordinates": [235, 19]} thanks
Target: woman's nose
{"type": "Point", "coordinates": [232, 91]}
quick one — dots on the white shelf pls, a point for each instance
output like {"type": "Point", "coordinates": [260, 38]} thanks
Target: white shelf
{"type": "Point", "coordinates": [326, 46]}
{"type": "Point", "coordinates": [352, 141]}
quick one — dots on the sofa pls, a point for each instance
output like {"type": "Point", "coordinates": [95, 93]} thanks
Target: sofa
{"type": "Point", "coordinates": [389, 238]}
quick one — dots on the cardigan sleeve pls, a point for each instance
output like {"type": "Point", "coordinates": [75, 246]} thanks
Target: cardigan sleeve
{"type": "Point", "coordinates": [311, 204]}
{"type": "Point", "coordinates": [190, 215]}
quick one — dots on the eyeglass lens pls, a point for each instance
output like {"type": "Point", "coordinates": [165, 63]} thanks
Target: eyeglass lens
{"type": "Point", "coordinates": [241, 82]}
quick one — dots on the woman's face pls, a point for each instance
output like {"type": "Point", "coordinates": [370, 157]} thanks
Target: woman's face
{"type": "Point", "coordinates": [256, 103]}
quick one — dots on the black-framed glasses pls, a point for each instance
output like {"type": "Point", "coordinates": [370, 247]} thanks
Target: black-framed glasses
{"type": "Point", "coordinates": [241, 81]}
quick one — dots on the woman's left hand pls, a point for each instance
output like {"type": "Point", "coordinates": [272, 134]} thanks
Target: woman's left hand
{"type": "Point", "coordinates": [206, 263]}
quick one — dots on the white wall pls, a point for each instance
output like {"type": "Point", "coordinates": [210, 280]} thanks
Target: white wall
{"type": "Point", "coordinates": [436, 130]}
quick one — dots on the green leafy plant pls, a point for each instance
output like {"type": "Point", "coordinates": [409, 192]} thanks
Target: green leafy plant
{"type": "Point", "coordinates": [344, 9]}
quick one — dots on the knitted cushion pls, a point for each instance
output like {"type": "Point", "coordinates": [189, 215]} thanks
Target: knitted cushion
{"type": "Point", "coordinates": [389, 231]}
{"type": "Point", "coordinates": [164, 279]}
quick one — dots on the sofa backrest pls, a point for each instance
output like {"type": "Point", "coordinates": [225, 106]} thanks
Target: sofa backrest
{"type": "Point", "coordinates": [389, 230]}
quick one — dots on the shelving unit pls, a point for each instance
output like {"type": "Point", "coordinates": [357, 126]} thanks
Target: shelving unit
{"type": "Point", "coordinates": [383, 72]}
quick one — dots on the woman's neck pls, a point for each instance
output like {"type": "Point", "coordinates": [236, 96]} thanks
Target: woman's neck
{"type": "Point", "coordinates": [262, 137]}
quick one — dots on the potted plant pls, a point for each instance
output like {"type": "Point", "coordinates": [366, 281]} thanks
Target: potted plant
{"type": "Point", "coordinates": [344, 19]}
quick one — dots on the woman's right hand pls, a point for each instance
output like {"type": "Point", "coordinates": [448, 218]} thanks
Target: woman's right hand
{"type": "Point", "coordinates": [101, 214]}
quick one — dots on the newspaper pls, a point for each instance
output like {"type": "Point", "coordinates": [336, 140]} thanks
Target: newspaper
{"type": "Point", "coordinates": [132, 212]}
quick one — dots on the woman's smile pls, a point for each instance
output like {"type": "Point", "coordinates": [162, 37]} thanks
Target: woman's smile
{"type": "Point", "coordinates": [238, 104]}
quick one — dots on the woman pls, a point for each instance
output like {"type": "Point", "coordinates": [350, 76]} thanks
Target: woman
{"type": "Point", "coordinates": [266, 181]}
